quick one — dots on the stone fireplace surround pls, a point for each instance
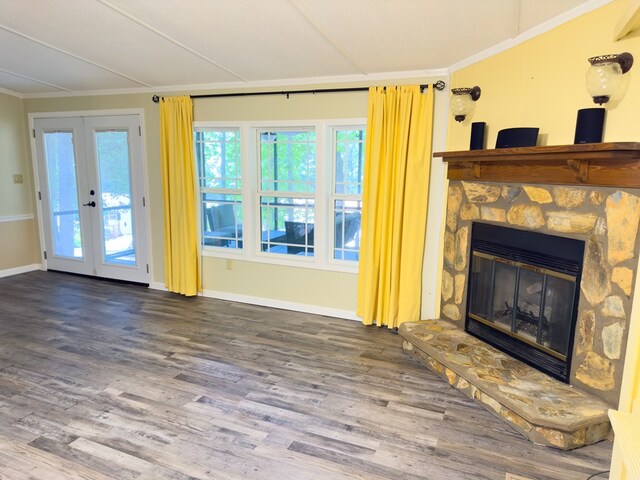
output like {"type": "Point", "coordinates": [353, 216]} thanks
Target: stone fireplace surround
{"type": "Point", "coordinates": [606, 218]}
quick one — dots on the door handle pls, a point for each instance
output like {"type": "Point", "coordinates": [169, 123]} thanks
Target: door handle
{"type": "Point", "coordinates": [90, 204]}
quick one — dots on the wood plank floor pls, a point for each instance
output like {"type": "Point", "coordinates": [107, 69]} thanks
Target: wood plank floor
{"type": "Point", "coordinates": [101, 380]}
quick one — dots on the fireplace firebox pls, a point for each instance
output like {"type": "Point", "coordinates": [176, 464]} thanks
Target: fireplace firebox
{"type": "Point", "coordinates": [523, 294]}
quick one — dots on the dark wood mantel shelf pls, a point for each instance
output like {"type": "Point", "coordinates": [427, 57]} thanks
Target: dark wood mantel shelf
{"type": "Point", "coordinates": [603, 164]}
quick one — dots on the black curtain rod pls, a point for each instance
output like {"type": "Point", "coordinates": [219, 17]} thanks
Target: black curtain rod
{"type": "Point", "coordinates": [439, 85]}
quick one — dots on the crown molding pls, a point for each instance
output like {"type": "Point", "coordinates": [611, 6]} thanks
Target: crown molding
{"type": "Point", "coordinates": [11, 92]}
{"type": "Point", "coordinates": [420, 75]}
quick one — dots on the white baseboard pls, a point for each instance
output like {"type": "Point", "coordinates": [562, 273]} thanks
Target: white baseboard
{"type": "Point", "coordinates": [271, 302]}
{"type": "Point", "coordinates": [18, 270]}
{"type": "Point", "coordinates": [158, 286]}
{"type": "Point", "coordinates": [284, 305]}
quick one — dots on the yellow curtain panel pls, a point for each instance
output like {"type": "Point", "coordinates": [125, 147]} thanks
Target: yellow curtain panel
{"type": "Point", "coordinates": [395, 196]}
{"type": "Point", "coordinates": [181, 261]}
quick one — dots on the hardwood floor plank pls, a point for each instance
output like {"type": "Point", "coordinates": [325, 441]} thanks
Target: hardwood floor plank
{"type": "Point", "coordinates": [102, 380]}
{"type": "Point", "coordinates": [49, 466]}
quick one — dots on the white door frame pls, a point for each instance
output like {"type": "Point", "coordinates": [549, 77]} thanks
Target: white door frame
{"type": "Point", "coordinates": [36, 178]}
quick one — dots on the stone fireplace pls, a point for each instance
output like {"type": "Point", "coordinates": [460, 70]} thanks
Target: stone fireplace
{"type": "Point", "coordinates": [523, 294]}
{"type": "Point", "coordinates": [585, 195]}
{"type": "Point", "coordinates": [605, 219]}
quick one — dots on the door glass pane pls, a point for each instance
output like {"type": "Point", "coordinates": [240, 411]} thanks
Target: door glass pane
{"type": "Point", "coordinates": [504, 289]}
{"type": "Point", "coordinates": [481, 287]}
{"type": "Point", "coordinates": [63, 191]}
{"type": "Point", "coordinates": [556, 322]}
{"type": "Point", "coordinates": [115, 184]}
{"type": "Point", "coordinates": [529, 304]}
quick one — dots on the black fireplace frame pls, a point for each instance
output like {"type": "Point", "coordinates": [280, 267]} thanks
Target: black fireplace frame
{"type": "Point", "coordinates": [559, 254]}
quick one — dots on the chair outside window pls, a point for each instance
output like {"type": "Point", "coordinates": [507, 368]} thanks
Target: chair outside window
{"type": "Point", "coordinates": [299, 233]}
{"type": "Point", "coordinates": [221, 227]}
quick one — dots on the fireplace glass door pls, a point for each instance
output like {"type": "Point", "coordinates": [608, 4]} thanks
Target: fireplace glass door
{"type": "Point", "coordinates": [531, 303]}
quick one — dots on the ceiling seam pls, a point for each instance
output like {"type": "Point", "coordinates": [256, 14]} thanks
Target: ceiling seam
{"type": "Point", "coordinates": [517, 9]}
{"type": "Point", "coordinates": [323, 34]}
{"type": "Point", "coordinates": [26, 77]}
{"type": "Point", "coordinates": [143, 24]}
{"type": "Point", "coordinates": [73, 55]}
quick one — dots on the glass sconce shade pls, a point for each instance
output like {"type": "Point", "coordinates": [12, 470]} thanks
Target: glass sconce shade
{"type": "Point", "coordinates": [461, 106]}
{"type": "Point", "coordinates": [463, 102]}
{"type": "Point", "coordinates": [604, 76]}
{"type": "Point", "coordinates": [603, 80]}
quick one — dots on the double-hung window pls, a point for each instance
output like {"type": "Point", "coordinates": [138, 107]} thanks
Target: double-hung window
{"type": "Point", "coordinates": [287, 190]}
{"type": "Point", "coordinates": [283, 192]}
{"type": "Point", "coordinates": [217, 152]}
{"type": "Point", "coordinates": [346, 193]}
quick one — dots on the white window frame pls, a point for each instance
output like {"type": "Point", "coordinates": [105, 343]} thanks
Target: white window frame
{"type": "Point", "coordinates": [325, 177]}
{"type": "Point", "coordinates": [312, 195]}
{"type": "Point", "coordinates": [334, 127]}
{"type": "Point", "coordinates": [218, 190]}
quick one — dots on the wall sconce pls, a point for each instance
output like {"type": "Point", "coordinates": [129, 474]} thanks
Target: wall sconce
{"type": "Point", "coordinates": [604, 76]}
{"type": "Point", "coordinates": [463, 102]}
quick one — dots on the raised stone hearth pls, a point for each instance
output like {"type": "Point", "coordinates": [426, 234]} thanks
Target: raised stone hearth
{"type": "Point", "coordinates": [544, 410]}
{"type": "Point", "coordinates": [606, 219]}
{"type": "Point", "coordinates": [585, 192]}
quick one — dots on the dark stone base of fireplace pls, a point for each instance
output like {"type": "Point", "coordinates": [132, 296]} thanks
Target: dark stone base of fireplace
{"type": "Point", "coordinates": [544, 410]}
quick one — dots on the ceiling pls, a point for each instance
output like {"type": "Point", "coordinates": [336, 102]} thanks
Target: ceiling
{"type": "Point", "coordinates": [74, 46]}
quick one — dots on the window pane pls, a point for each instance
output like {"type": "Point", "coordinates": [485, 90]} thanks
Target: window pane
{"type": "Point", "coordinates": [65, 217]}
{"type": "Point", "coordinates": [222, 220]}
{"type": "Point", "coordinates": [115, 184]}
{"type": "Point", "coordinates": [220, 171]}
{"type": "Point", "coordinates": [288, 161]}
{"type": "Point", "coordinates": [218, 157]}
{"type": "Point", "coordinates": [287, 225]}
{"type": "Point", "coordinates": [349, 159]}
{"type": "Point", "coordinates": [347, 229]}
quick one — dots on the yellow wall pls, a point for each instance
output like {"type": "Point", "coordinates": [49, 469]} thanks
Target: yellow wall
{"type": "Point", "coordinates": [14, 199]}
{"type": "Point", "coordinates": [18, 241]}
{"type": "Point", "coordinates": [540, 83]}
{"type": "Point", "coordinates": [329, 290]}
{"type": "Point", "coordinates": [19, 248]}
{"type": "Point", "coordinates": [325, 289]}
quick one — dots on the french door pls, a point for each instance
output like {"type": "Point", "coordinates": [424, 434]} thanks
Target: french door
{"type": "Point", "coordinates": [92, 196]}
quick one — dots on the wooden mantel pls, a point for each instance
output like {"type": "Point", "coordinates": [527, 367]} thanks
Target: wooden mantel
{"type": "Point", "coordinates": [603, 164]}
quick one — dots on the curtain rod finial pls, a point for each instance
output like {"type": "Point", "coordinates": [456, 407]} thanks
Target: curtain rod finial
{"type": "Point", "coordinates": [156, 99]}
